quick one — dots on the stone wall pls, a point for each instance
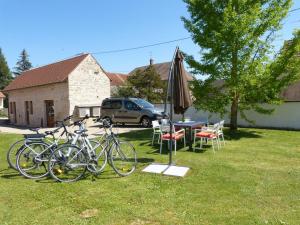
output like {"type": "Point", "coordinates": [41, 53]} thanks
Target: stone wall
{"type": "Point", "coordinates": [88, 84]}
{"type": "Point", "coordinates": [57, 92]}
{"type": "Point", "coordinates": [1, 103]}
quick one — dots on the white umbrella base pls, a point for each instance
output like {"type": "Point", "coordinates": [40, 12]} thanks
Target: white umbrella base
{"type": "Point", "coordinates": [178, 171]}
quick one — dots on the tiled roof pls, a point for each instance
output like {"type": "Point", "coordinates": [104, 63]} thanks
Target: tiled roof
{"type": "Point", "coordinates": [52, 73]}
{"type": "Point", "coordinates": [292, 93]}
{"type": "Point", "coordinates": [117, 79]}
{"type": "Point", "coordinates": [162, 69]}
{"type": "Point", "coordinates": [2, 95]}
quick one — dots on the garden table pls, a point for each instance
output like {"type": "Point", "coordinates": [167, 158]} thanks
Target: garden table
{"type": "Point", "coordinates": [189, 125]}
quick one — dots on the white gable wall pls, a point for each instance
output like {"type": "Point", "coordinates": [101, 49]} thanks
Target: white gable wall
{"type": "Point", "coordinates": [88, 84]}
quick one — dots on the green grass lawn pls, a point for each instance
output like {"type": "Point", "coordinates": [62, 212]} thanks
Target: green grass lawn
{"type": "Point", "coordinates": [254, 179]}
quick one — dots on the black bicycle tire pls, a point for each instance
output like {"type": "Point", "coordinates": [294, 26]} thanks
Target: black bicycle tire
{"type": "Point", "coordinates": [52, 174]}
{"type": "Point", "coordinates": [103, 151]}
{"type": "Point", "coordinates": [8, 155]}
{"type": "Point", "coordinates": [25, 174]}
{"type": "Point", "coordinates": [112, 161]}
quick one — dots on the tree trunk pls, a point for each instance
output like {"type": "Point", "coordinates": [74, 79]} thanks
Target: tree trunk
{"type": "Point", "coordinates": [234, 114]}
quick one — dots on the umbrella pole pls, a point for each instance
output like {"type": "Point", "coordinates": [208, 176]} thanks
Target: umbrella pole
{"type": "Point", "coordinates": [171, 76]}
{"type": "Point", "coordinates": [171, 121]}
{"type": "Point", "coordinates": [169, 81]}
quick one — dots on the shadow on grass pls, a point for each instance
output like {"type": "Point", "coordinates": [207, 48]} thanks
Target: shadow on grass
{"type": "Point", "coordinates": [239, 134]}
{"type": "Point", "coordinates": [145, 136]}
{"type": "Point", "coordinates": [9, 173]}
{"type": "Point", "coordinates": [121, 126]}
{"type": "Point", "coordinates": [12, 175]}
{"type": "Point", "coordinates": [137, 135]}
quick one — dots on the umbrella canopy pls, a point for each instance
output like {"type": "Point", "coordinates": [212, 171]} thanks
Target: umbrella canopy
{"type": "Point", "coordinates": [181, 94]}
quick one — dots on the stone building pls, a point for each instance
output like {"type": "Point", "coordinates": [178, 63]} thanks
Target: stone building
{"type": "Point", "coordinates": [2, 97]}
{"type": "Point", "coordinates": [44, 95]}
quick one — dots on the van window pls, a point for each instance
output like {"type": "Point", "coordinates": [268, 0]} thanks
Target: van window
{"type": "Point", "coordinates": [116, 104]}
{"type": "Point", "coordinates": [130, 105]}
{"type": "Point", "coordinates": [106, 105]}
{"type": "Point", "coordinates": [112, 104]}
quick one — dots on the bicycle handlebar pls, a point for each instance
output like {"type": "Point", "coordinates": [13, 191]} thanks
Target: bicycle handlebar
{"type": "Point", "coordinates": [105, 122]}
{"type": "Point", "coordinates": [79, 122]}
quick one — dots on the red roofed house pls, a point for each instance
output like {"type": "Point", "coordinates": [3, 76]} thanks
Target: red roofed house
{"type": "Point", "coordinates": [162, 69]}
{"type": "Point", "coordinates": [2, 97]}
{"type": "Point", "coordinates": [116, 80]}
{"type": "Point", "coordinates": [44, 95]}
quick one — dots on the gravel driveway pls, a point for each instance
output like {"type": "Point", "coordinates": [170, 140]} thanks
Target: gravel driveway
{"type": "Point", "coordinates": [93, 129]}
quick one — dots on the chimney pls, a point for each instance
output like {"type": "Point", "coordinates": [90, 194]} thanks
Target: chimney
{"type": "Point", "coordinates": [151, 61]}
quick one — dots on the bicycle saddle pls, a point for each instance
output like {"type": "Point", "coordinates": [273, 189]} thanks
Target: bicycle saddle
{"type": "Point", "coordinates": [35, 129]}
{"type": "Point", "coordinates": [51, 132]}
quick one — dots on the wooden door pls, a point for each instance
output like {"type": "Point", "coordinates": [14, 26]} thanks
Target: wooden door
{"type": "Point", "coordinates": [14, 110]}
{"type": "Point", "coordinates": [27, 112]}
{"type": "Point", "coordinates": [50, 113]}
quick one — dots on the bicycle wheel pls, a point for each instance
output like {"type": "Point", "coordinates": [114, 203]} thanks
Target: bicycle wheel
{"type": "Point", "coordinates": [11, 155]}
{"type": "Point", "coordinates": [98, 158]}
{"type": "Point", "coordinates": [68, 163]}
{"type": "Point", "coordinates": [32, 160]}
{"type": "Point", "coordinates": [123, 158]}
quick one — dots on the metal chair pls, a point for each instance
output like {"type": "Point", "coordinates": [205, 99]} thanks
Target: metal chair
{"type": "Point", "coordinates": [156, 131]}
{"type": "Point", "coordinates": [208, 134]}
{"type": "Point", "coordinates": [177, 135]}
{"type": "Point", "coordinates": [220, 132]}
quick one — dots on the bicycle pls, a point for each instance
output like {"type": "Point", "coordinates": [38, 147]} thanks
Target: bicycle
{"type": "Point", "coordinates": [35, 151]}
{"type": "Point", "coordinates": [69, 163]}
{"type": "Point", "coordinates": [11, 155]}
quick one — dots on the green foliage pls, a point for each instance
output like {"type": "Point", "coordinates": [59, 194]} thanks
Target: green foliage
{"type": "Point", "coordinates": [23, 63]}
{"type": "Point", "coordinates": [144, 84]}
{"type": "Point", "coordinates": [5, 75]}
{"type": "Point", "coordinates": [236, 37]}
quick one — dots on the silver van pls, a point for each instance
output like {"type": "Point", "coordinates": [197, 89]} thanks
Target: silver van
{"type": "Point", "coordinates": [129, 111]}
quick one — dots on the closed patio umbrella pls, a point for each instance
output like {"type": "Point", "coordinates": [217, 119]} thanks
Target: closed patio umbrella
{"type": "Point", "coordinates": [181, 97]}
{"type": "Point", "coordinates": [178, 91]}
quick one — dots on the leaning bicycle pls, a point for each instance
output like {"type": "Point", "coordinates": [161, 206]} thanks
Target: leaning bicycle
{"type": "Point", "coordinates": [33, 156]}
{"type": "Point", "coordinates": [69, 163]}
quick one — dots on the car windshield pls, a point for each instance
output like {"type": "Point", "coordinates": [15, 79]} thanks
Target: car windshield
{"type": "Point", "coordinates": [142, 103]}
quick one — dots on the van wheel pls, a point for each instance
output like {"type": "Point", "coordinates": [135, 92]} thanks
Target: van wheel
{"type": "Point", "coordinates": [146, 121]}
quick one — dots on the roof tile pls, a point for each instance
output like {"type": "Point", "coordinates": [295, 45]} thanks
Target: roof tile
{"type": "Point", "coordinates": [52, 73]}
{"type": "Point", "coordinates": [117, 79]}
{"type": "Point", "coordinates": [162, 69]}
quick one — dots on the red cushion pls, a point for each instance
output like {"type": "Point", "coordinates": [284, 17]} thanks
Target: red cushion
{"type": "Point", "coordinates": [174, 136]}
{"type": "Point", "coordinates": [205, 135]}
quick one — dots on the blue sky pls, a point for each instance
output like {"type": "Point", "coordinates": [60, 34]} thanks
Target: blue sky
{"type": "Point", "coordinates": [57, 29]}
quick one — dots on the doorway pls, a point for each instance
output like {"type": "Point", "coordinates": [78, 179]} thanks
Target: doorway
{"type": "Point", "coordinates": [50, 113]}
{"type": "Point", "coordinates": [14, 110]}
{"type": "Point", "coordinates": [27, 112]}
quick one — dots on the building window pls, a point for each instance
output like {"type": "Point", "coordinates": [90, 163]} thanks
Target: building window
{"type": "Point", "coordinates": [11, 108]}
{"type": "Point", "coordinates": [31, 107]}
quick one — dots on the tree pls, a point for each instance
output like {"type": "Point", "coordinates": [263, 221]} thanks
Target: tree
{"type": "Point", "coordinates": [23, 63]}
{"type": "Point", "coordinates": [235, 37]}
{"type": "Point", "coordinates": [144, 84]}
{"type": "Point", "coordinates": [5, 74]}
